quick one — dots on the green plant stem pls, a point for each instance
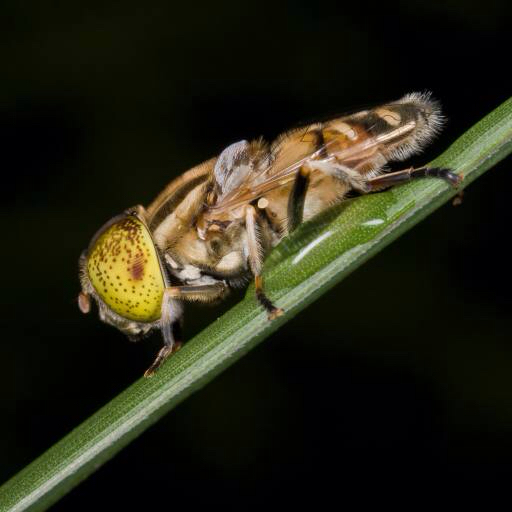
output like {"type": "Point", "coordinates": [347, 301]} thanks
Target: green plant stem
{"type": "Point", "coordinates": [316, 257]}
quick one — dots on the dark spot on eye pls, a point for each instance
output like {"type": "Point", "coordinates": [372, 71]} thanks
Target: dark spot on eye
{"type": "Point", "coordinates": [137, 269]}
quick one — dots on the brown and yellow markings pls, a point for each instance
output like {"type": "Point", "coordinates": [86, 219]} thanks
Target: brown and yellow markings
{"type": "Point", "coordinates": [348, 130]}
{"type": "Point", "coordinates": [124, 269]}
{"type": "Point", "coordinates": [341, 135]}
{"type": "Point", "coordinates": [391, 117]}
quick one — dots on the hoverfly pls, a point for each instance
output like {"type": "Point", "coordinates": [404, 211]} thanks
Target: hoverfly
{"type": "Point", "coordinates": [210, 228]}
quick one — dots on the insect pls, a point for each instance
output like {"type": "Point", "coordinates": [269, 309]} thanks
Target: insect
{"type": "Point", "coordinates": [210, 228]}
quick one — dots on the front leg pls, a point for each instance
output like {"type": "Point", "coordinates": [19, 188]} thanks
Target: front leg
{"type": "Point", "coordinates": [163, 354]}
{"type": "Point", "coordinates": [170, 324]}
{"type": "Point", "coordinates": [199, 293]}
{"type": "Point", "coordinates": [255, 253]}
{"type": "Point", "coordinates": [170, 320]}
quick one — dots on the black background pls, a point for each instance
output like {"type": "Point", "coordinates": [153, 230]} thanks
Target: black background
{"type": "Point", "coordinates": [398, 379]}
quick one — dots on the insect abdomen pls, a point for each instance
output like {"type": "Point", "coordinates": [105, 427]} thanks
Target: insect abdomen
{"type": "Point", "coordinates": [367, 140]}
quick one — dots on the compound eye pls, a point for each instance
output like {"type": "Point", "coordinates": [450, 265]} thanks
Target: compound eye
{"type": "Point", "coordinates": [124, 269]}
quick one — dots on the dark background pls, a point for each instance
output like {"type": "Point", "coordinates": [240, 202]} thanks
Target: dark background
{"type": "Point", "coordinates": [397, 380]}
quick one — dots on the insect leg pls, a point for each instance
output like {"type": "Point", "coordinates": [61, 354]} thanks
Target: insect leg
{"type": "Point", "coordinates": [171, 316]}
{"type": "Point", "coordinates": [256, 261]}
{"type": "Point", "coordinates": [395, 178]}
{"type": "Point", "coordinates": [350, 176]}
{"type": "Point", "coordinates": [297, 198]}
{"type": "Point", "coordinates": [199, 293]}
{"type": "Point", "coordinates": [162, 355]}
{"type": "Point", "coordinates": [170, 322]}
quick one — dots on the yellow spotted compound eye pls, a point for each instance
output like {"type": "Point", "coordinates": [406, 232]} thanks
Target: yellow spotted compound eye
{"type": "Point", "coordinates": [124, 269]}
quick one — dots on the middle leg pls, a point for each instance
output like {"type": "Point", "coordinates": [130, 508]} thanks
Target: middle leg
{"type": "Point", "coordinates": [255, 251]}
{"type": "Point", "coordinates": [298, 198]}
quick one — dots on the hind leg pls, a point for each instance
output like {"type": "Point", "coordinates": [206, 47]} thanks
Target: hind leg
{"type": "Point", "coordinates": [362, 184]}
{"type": "Point", "coordinates": [395, 178]}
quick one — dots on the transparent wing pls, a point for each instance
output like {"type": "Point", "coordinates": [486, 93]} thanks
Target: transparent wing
{"type": "Point", "coordinates": [262, 181]}
{"type": "Point", "coordinates": [351, 146]}
{"type": "Point", "coordinates": [363, 142]}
